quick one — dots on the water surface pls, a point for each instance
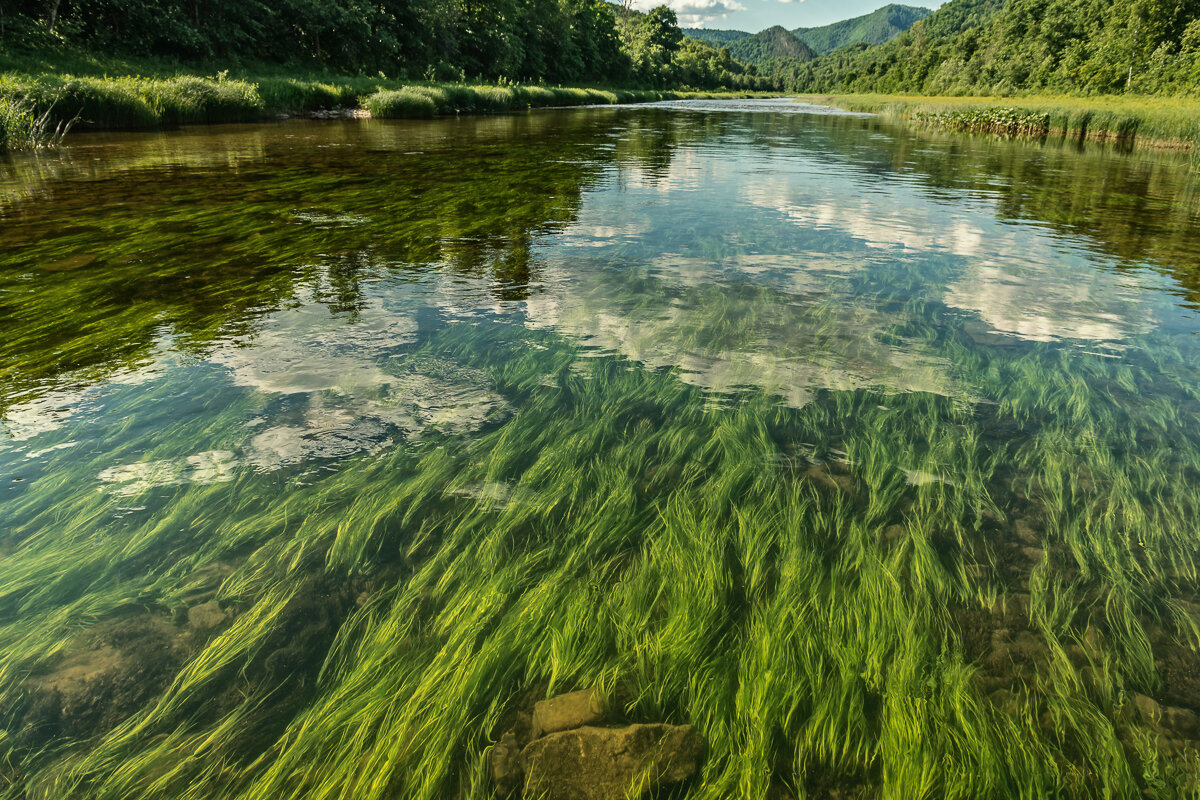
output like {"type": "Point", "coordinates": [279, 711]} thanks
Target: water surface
{"type": "Point", "coordinates": [872, 453]}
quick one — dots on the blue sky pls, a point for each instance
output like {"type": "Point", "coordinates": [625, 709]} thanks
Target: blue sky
{"type": "Point", "coordinates": [755, 15]}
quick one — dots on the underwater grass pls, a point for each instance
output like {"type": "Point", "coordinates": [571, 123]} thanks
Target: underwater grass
{"type": "Point", "coordinates": [882, 593]}
{"type": "Point", "coordinates": [679, 555]}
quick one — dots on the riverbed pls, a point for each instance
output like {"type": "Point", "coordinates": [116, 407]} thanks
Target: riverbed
{"type": "Point", "coordinates": [328, 446]}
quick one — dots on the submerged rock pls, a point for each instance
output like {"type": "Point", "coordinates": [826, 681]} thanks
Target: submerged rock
{"type": "Point", "coordinates": [567, 711]}
{"type": "Point", "coordinates": [1148, 707]}
{"type": "Point", "coordinates": [206, 616]}
{"type": "Point", "coordinates": [78, 261]}
{"type": "Point", "coordinates": [591, 763]}
{"type": "Point", "coordinates": [504, 764]}
{"type": "Point", "coordinates": [1024, 533]}
{"type": "Point", "coordinates": [827, 479]}
{"type": "Point", "coordinates": [1182, 722]}
{"type": "Point", "coordinates": [99, 679]}
{"type": "Point", "coordinates": [1175, 722]}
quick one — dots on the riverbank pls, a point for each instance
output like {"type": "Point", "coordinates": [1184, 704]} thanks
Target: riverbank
{"type": "Point", "coordinates": [1150, 122]}
{"type": "Point", "coordinates": [138, 102]}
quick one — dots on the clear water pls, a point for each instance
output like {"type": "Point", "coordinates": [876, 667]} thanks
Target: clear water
{"type": "Point", "coordinates": [324, 444]}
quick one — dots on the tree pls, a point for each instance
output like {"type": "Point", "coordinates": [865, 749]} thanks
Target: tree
{"type": "Point", "coordinates": [662, 29]}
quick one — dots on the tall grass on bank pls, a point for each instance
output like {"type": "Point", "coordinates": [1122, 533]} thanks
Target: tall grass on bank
{"type": "Point", "coordinates": [424, 101]}
{"type": "Point", "coordinates": [23, 128]}
{"type": "Point", "coordinates": [136, 103]}
{"type": "Point", "coordinates": [131, 102]}
{"type": "Point", "coordinates": [1003, 121]}
{"type": "Point", "coordinates": [1165, 122]}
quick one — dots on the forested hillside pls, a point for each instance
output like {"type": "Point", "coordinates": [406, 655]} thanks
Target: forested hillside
{"type": "Point", "coordinates": [577, 41]}
{"type": "Point", "coordinates": [714, 36]}
{"type": "Point", "coordinates": [773, 44]}
{"type": "Point", "coordinates": [992, 46]}
{"type": "Point", "coordinates": [878, 27]}
{"type": "Point", "coordinates": [780, 52]}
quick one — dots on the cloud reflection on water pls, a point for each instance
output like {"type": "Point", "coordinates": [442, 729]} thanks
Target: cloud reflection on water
{"type": "Point", "coordinates": [822, 310]}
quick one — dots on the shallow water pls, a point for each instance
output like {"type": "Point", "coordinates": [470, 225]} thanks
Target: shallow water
{"type": "Point", "coordinates": [870, 452]}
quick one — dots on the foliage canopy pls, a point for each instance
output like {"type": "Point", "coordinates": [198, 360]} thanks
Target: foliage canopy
{"type": "Point", "coordinates": [996, 47]}
{"type": "Point", "coordinates": [555, 41]}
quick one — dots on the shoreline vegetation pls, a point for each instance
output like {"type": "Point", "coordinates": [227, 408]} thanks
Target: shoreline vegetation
{"type": "Point", "coordinates": [148, 64]}
{"type": "Point", "coordinates": [37, 110]}
{"type": "Point", "coordinates": [1162, 123]}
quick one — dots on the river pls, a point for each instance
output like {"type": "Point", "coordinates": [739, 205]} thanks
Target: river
{"type": "Point", "coordinates": [871, 452]}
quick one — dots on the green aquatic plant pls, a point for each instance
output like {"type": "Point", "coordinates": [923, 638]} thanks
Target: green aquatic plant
{"type": "Point", "coordinates": [348, 491]}
{"type": "Point", "coordinates": [686, 563]}
{"type": "Point", "coordinates": [1001, 120]}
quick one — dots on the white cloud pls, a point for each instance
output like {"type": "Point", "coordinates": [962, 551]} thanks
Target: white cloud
{"type": "Point", "coordinates": [693, 13]}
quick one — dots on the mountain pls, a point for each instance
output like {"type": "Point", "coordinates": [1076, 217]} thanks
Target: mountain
{"type": "Point", "coordinates": [773, 44]}
{"type": "Point", "coordinates": [1006, 46]}
{"type": "Point", "coordinates": [877, 27]}
{"type": "Point", "coordinates": [715, 37]}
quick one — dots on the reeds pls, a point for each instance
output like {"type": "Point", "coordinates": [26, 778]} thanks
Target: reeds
{"type": "Point", "coordinates": [997, 120]}
{"type": "Point", "coordinates": [1164, 122]}
{"type": "Point", "coordinates": [22, 127]}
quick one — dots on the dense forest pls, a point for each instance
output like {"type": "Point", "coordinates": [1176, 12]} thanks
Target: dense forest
{"type": "Point", "coordinates": [769, 46]}
{"type": "Point", "coordinates": [716, 36]}
{"type": "Point", "coordinates": [881, 25]}
{"type": "Point", "coordinates": [998, 47]}
{"type": "Point", "coordinates": [989, 47]}
{"type": "Point", "coordinates": [578, 41]}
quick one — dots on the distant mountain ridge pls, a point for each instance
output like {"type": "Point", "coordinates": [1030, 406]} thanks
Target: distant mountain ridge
{"type": "Point", "coordinates": [881, 25]}
{"type": "Point", "coordinates": [878, 27]}
{"type": "Point", "coordinates": [714, 36]}
{"type": "Point", "coordinates": [773, 44]}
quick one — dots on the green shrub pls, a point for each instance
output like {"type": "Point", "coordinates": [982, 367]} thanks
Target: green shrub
{"type": "Point", "coordinates": [493, 98]}
{"type": "Point", "coordinates": [97, 103]}
{"type": "Point", "coordinates": [399, 104]}
{"type": "Point", "coordinates": [297, 96]}
{"type": "Point", "coordinates": [190, 99]}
